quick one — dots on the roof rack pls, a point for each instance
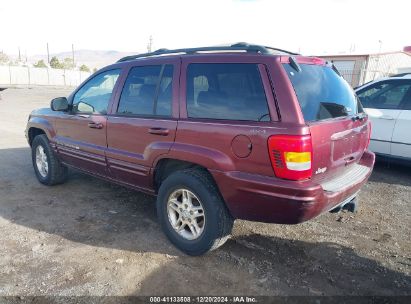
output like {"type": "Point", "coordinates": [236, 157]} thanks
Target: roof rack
{"type": "Point", "coordinates": [281, 50]}
{"type": "Point", "coordinates": [241, 46]}
{"type": "Point", "coordinates": [401, 74]}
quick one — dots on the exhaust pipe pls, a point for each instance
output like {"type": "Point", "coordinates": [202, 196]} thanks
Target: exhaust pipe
{"type": "Point", "coordinates": [351, 206]}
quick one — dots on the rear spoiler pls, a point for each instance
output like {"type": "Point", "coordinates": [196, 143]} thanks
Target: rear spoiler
{"type": "Point", "coordinates": [295, 62]}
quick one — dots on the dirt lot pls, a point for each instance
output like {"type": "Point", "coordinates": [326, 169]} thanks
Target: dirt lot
{"type": "Point", "coordinates": [88, 237]}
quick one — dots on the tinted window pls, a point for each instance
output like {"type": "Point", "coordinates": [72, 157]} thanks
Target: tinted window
{"type": "Point", "coordinates": [165, 94]}
{"type": "Point", "coordinates": [226, 91]}
{"type": "Point", "coordinates": [322, 93]}
{"type": "Point", "coordinates": [94, 95]}
{"type": "Point", "coordinates": [385, 95]}
{"type": "Point", "coordinates": [406, 102]}
{"type": "Point", "coordinates": [145, 94]}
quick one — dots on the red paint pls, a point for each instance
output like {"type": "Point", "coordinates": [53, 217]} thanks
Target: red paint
{"type": "Point", "coordinates": [407, 49]}
{"type": "Point", "coordinates": [273, 200]}
{"type": "Point", "coordinates": [127, 150]}
{"type": "Point", "coordinates": [304, 60]}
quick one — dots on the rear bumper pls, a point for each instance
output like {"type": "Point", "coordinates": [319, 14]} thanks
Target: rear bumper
{"type": "Point", "coordinates": [272, 200]}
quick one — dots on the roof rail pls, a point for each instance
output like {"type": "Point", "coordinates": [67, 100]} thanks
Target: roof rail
{"type": "Point", "coordinates": [241, 46]}
{"type": "Point", "coordinates": [401, 74]}
{"type": "Point", "coordinates": [281, 50]}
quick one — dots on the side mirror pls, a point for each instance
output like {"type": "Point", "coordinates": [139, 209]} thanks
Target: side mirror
{"type": "Point", "coordinates": [59, 104]}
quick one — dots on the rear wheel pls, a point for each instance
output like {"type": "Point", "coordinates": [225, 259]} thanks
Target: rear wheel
{"type": "Point", "coordinates": [48, 169]}
{"type": "Point", "coordinates": [192, 212]}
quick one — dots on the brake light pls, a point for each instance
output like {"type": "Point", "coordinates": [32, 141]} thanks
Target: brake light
{"type": "Point", "coordinates": [369, 133]}
{"type": "Point", "coordinates": [291, 156]}
{"type": "Point", "coordinates": [318, 61]}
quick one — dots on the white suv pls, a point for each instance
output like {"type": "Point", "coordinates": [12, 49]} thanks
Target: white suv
{"type": "Point", "coordinates": [387, 101]}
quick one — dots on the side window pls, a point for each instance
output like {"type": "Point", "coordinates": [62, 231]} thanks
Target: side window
{"type": "Point", "coordinates": [165, 93]}
{"type": "Point", "coordinates": [231, 91]}
{"type": "Point", "coordinates": [94, 95]}
{"type": "Point", "coordinates": [147, 91]}
{"type": "Point", "coordinates": [384, 95]}
{"type": "Point", "coordinates": [406, 102]}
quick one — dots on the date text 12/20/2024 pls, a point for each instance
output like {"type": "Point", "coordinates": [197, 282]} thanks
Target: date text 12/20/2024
{"type": "Point", "coordinates": [204, 299]}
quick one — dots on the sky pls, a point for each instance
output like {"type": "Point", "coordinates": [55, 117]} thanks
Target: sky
{"type": "Point", "coordinates": [312, 27]}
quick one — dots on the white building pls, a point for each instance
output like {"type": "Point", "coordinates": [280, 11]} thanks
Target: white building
{"type": "Point", "coordinates": [362, 68]}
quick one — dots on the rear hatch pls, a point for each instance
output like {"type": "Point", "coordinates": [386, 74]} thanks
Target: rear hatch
{"type": "Point", "coordinates": [338, 126]}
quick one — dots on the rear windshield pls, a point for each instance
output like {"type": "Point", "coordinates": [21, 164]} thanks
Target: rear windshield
{"type": "Point", "coordinates": [322, 93]}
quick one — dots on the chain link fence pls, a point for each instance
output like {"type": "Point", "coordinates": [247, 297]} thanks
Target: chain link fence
{"type": "Point", "coordinates": [358, 77]}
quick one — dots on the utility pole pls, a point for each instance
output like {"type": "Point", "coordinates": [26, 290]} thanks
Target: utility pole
{"type": "Point", "coordinates": [379, 49]}
{"type": "Point", "coordinates": [378, 59]}
{"type": "Point", "coordinates": [352, 48]}
{"type": "Point", "coordinates": [19, 55]}
{"type": "Point", "coordinates": [150, 44]}
{"type": "Point", "coordinates": [48, 53]}
{"type": "Point", "coordinates": [72, 52]}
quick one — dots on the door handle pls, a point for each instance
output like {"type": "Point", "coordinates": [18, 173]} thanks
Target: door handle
{"type": "Point", "coordinates": [159, 131]}
{"type": "Point", "coordinates": [387, 117]}
{"type": "Point", "coordinates": [95, 125]}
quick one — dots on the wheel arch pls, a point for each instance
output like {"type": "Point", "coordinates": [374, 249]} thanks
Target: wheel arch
{"type": "Point", "coordinates": [37, 126]}
{"type": "Point", "coordinates": [166, 166]}
{"type": "Point", "coordinates": [33, 132]}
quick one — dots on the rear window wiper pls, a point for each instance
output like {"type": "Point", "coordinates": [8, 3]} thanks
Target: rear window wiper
{"type": "Point", "coordinates": [336, 70]}
{"type": "Point", "coordinates": [294, 64]}
{"type": "Point", "coordinates": [331, 65]}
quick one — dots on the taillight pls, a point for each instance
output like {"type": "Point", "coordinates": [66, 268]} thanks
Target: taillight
{"type": "Point", "coordinates": [291, 156]}
{"type": "Point", "coordinates": [369, 134]}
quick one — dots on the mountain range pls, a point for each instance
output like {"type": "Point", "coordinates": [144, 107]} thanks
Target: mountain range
{"type": "Point", "coordinates": [91, 58]}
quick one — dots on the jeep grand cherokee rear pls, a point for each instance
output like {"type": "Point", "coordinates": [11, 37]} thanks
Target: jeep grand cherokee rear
{"type": "Point", "coordinates": [219, 133]}
{"type": "Point", "coordinates": [319, 161]}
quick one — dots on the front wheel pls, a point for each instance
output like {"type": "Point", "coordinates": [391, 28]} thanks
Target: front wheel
{"type": "Point", "coordinates": [192, 212]}
{"type": "Point", "coordinates": [48, 169]}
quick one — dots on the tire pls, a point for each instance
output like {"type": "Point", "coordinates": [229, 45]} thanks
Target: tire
{"type": "Point", "coordinates": [56, 173]}
{"type": "Point", "coordinates": [218, 222]}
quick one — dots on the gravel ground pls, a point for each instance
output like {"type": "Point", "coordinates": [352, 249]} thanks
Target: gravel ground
{"type": "Point", "coordinates": [87, 237]}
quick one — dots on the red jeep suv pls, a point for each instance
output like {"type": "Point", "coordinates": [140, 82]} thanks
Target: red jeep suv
{"type": "Point", "coordinates": [216, 134]}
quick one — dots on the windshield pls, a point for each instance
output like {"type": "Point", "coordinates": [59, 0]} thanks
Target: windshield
{"type": "Point", "coordinates": [322, 93]}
